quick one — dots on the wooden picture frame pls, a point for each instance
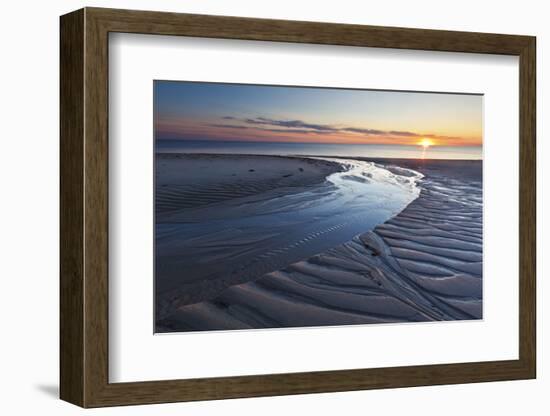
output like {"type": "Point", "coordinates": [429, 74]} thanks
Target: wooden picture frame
{"type": "Point", "coordinates": [84, 207]}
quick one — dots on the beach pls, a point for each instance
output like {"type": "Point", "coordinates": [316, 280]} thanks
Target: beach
{"type": "Point", "coordinates": [188, 181]}
{"type": "Point", "coordinates": [252, 241]}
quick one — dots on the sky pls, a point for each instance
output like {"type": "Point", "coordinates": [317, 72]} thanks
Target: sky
{"type": "Point", "coordinates": [260, 113]}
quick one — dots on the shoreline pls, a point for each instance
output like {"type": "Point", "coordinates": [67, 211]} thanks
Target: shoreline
{"type": "Point", "coordinates": [380, 276]}
{"type": "Point", "coordinates": [350, 150]}
{"type": "Point", "coordinates": [305, 156]}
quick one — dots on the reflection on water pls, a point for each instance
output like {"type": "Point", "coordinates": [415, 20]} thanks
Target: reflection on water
{"type": "Point", "coordinates": [319, 149]}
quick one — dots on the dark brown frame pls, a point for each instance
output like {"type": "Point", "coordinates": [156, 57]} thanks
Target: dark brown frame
{"type": "Point", "coordinates": [84, 209]}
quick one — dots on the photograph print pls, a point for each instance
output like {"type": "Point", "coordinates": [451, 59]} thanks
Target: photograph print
{"type": "Point", "coordinates": [295, 206]}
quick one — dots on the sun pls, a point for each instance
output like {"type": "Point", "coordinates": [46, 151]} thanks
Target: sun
{"type": "Point", "coordinates": [425, 143]}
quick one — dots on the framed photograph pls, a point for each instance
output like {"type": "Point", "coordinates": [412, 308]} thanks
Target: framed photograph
{"type": "Point", "coordinates": [260, 207]}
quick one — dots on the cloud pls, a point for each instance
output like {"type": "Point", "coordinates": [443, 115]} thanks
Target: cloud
{"type": "Point", "coordinates": [294, 131]}
{"type": "Point", "coordinates": [404, 133]}
{"type": "Point", "coordinates": [299, 126]}
{"type": "Point", "coordinates": [295, 124]}
{"type": "Point", "coordinates": [363, 131]}
{"type": "Point", "coordinates": [274, 130]}
{"type": "Point", "coordinates": [227, 126]}
{"type": "Point", "coordinates": [302, 127]}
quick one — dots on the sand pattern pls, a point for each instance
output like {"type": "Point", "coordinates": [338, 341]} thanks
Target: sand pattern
{"type": "Point", "coordinates": [241, 176]}
{"type": "Point", "coordinates": [205, 248]}
{"type": "Point", "coordinates": [424, 264]}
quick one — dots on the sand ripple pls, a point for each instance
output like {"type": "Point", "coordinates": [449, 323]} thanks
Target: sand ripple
{"type": "Point", "coordinates": [425, 264]}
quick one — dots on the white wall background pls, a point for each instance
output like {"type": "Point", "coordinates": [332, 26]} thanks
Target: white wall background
{"type": "Point", "coordinates": [29, 102]}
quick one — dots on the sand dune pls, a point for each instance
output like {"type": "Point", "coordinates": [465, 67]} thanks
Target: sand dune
{"type": "Point", "coordinates": [424, 264]}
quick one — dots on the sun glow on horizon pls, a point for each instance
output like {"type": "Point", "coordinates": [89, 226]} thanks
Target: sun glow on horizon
{"type": "Point", "coordinates": [426, 143]}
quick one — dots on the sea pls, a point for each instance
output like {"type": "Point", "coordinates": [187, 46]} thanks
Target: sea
{"type": "Point", "coordinates": [319, 149]}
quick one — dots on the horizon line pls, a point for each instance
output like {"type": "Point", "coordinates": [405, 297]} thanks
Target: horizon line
{"type": "Point", "coordinates": [308, 143]}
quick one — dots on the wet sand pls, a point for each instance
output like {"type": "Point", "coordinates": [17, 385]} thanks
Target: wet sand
{"type": "Point", "coordinates": [423, 264]}
{"type": "Point", "coordinates": [192, 180]}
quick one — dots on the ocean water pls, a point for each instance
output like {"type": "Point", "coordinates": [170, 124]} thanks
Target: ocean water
{"type": "Point", "coordinates": [319, 149]}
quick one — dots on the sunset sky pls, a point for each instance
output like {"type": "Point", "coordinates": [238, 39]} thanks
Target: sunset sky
{"type": "Point", "coordinates": [237, 112]}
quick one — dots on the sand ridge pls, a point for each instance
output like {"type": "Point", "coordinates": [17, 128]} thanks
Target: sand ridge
{"type": "Point", "coordinates": [424, 264]}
